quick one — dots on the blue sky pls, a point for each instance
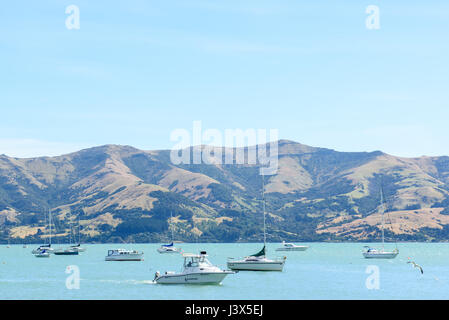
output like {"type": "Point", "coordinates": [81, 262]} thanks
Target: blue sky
{"type": "Point", "coordinates": [137, 70]}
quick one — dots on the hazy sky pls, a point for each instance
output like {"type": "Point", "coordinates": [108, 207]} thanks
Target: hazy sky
{"type": "Point", "coordinates": [134, 71]}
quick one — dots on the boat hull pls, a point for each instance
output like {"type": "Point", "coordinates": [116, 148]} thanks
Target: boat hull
{"type": "Point", "coordinates": [193, 278]}
{"type": "Point", "coordinates": [160, 250]}
{"type": "Point", "coordinates": [65, 253]}
{"type": "Point", "coordinates": [256, 266]}
{"type": "Point", "coordinates": [298, 248]}
{"type": "Point", "coordinates": [42, 255]}
{"type": "Point", "coordinates": [136, 257]}
{"type": "Point", "coordinates": [380, 255]}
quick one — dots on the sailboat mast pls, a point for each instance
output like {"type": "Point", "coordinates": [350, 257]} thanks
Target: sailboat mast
{"type": "Point", "coordinates": [45, 224]}
{"type": "Point", "coordinates": [171, 227]}
{"type": "Point", "coordinates": [49, 224]}
{"type": "Point", "coordinates": [79, 234]}
{"type": "Point", "coordinates": [263, 204]}
{"type": "Point", "coordinates": [383, 210]}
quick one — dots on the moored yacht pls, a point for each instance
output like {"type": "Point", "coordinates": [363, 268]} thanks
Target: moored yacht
{"type": "Point", "coordinates": [167, 248]}
{"type": "Point", "coordinates": [257, 262]}
{"type": "Point", "coordinates": [124, 255]}
{"type": "Point", "coordinates": [197, 270]}
{"type": "Point", "coordinates": [43, 254]}
{"type": "Point", "coordinates": [78, 248]}
{"type": "Point", "coordinates": [65, 252]}
{"type": "Point", "coordinates": [371, 253]}
{"type": "Point", "coordinates": [46, 247]}
{"type": "Point", "coordinates": [291, 247]}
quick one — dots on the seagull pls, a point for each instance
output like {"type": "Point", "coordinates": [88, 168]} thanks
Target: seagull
{"type": "Point", "coordinates": [416, 265]}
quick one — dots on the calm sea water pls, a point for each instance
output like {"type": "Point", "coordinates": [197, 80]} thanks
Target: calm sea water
{"type": "Point", "coordinates": [324, 271]}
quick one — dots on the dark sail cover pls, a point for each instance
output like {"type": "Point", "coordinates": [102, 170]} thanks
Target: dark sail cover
{"type": "Point", "coordinates": [260, 253]}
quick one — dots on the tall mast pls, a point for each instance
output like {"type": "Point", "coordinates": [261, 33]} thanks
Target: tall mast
{"type": "Point", "coordinates": [79, 234]}
{"type": "Point", "coordinates": [171, 227]}
{"type": "Point", "coordinates": [382, 209]}
{"type": "Point", "coordinates": [70, 225]}
{"type": "Point", "coordinates": [45, 224]}
{"type": "Point", "coordinates": [263, 204]}
{"type": "Point", "coordinates": [49, 223]}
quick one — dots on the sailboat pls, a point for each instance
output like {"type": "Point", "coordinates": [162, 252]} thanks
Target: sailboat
{"type": "Point", "coordinates": [46, 247]}
{"type": "Point", "coordinates": [371, 253]}
{"type": "Point", "coordinates": [70, 251]}
{"type": "Point", "coordinates": [169, 248]}
{"type": "Point", "coordinates": [78, 247]}
{"type": "Point", "coordinates": [258, 261]}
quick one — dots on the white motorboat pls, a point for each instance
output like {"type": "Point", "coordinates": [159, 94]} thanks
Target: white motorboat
{"type": "Point", "coordinates": [197, 270]}
{"type": "Point", "coordinates": [258, 261]}
{"type": "Point", "coordinates": [371, 253]}
{"type": "Point", "coordinates": [291, 247]}
{"type": "Point", "coordinates": [124, 255]}
{"type": "Point", "coordinates": [168, 248]}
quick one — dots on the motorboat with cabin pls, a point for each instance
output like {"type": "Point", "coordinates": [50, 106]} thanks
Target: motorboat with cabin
{"type": "Point", "coordinates": [124, 255]}
{"type": "Point", "coordinates": [286, 246]}
{"type": "Point", "coordinates": [197, 269]}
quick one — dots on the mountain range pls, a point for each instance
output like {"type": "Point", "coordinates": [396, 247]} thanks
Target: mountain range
{"type": "Point", "coordinates": [116, 193]}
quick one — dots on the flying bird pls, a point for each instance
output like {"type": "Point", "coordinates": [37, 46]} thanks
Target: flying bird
{"type": "Point", "coordinates": [416, 266]}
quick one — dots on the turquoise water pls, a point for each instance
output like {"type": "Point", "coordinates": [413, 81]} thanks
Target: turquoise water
{"type": "Point", "coordinates": [324, 271]}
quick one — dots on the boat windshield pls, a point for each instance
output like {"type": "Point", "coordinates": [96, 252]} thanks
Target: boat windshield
{"type": "Point", "coordinates": [192, 262]}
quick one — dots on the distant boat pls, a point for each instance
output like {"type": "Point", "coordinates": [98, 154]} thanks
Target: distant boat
{"type": "Point", "coordinates": [69, 251]}
{"type": "Point", "coordinates": [197, 270]}
{"type": "Point", "coordinates": [169, 248]}
{"type": "Point", "coordinates": [46, 247]}
{"type": "Point", "coordinates": [65, 252]}
{"type": "Point", "coordinates": [78, 247]}
{"type": "Point", "coordinates": [42, 254]}
{"type": "Point", "coordinates": [258, 261]}
{"type": "Point", "coordinates": [124, 255]}
{"type": "Point", "coordinates": [291, 247]}
{"type": "Point", "coordinates": [371, 253]}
